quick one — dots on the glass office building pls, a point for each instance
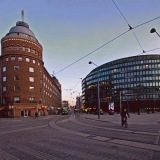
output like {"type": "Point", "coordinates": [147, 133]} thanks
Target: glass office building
{"type": "Point", "coordinates": [133, 81]}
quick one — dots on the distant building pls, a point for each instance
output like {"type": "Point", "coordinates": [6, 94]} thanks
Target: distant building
{"type": "Point", "coordinates": [135, 81]}
{"type": "Point", "coordinates": [65, 104]}
{"type": "Point", "coordinates": [79, 102]}
{"type": "Point", "coordinates": [26, 86]}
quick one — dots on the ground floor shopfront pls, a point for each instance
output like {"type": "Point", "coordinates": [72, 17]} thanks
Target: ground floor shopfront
{"type": "Point", "coordinates": [24, 110]}
{"type": "Point", "coordinates": [132, 106]}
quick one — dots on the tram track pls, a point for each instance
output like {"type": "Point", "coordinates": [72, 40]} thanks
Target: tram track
{"type": "Point", "coordinates": [62, 125]}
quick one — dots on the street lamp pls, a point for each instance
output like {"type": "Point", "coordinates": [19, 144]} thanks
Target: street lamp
{"type": "Point", "coordinates": [98, 90]}
{"type": "Point", "coordinates": [153, 30]}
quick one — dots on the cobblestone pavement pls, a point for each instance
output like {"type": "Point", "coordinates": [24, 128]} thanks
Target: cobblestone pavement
{"type": "Point", "coordinates": [75, 138]}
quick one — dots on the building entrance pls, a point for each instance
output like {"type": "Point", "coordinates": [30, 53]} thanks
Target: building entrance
{"type": "Point", "coordinates": [25, 113]}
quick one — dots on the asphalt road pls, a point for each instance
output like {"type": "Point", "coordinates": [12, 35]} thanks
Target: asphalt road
{"type": "Point", "coordinates": [79, 137]}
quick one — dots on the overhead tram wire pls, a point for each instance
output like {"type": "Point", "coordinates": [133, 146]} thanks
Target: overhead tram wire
{"type": "Point", "coordinates": [107, 43]}
{"type": "Point", "coordinates": [93, 51]}
{"type": "Point", "coordinates": [146, 22]}
{"type": "Point", "coordinates": [70, 90]}
{"type": "Point", "coordinates": [69, 77]}
{"type": "Point", "coordinates": [130, 28]}
{"type": "Point", "coordinates": [138, 41]}
{"type": "Point", "coordinates": [120, 12]}
{"type": "Point", "coordinates": [149, 51]}
{"type": "Point", "coordinates": [75, 85]}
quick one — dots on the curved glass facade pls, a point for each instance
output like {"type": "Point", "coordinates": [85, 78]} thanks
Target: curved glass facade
{"type": "Point", "coordinates": [135, 80]}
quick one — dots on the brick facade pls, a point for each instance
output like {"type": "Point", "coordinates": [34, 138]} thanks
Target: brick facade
{"type": "Point", "coordinates": [25, 83]}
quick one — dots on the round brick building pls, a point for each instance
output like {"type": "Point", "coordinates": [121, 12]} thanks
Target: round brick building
{"type": "Point", "coordinates": [23, 75]}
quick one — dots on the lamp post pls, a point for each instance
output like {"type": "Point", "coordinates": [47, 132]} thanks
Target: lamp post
{"type": "Point", "coordinates": [98, 90]}
{"type": "Point", "coordinates": [153, 30]}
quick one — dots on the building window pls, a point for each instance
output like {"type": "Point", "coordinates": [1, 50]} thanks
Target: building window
{"type": "Point", "coordinates": [4, 100]}
{"type": "Point", "coordinates": [27, 60]}
{"type": "Point", "coordinates": [4, 89]}
{"type": "Point", "coordinates": [16, 78]}
{"type": "Point", "coordinates": [20, 58]}
{"type": "Point", "coordinates": [16, 67]}
{"type": "Point", "coordinates": [31, 79]}
{"type": "Point", "coordinates": [32, 100]}
{"type": "Point", "coordinates": [4, 79]}
{"type": "Point", "coordinates": [41, 73]}
{"type": "Point", "coordinates": [29, 50]}
{"type": "Point", "coordinates": [23, 48]}
{"type": "Point", "coordinates": [6, 58]}
{"type": "Point", "coordinates": [4, 69]}
{"type": "Point", "coordinates": [16, 88]}
{"type": "Point", "coordinates": [40, 90]}
{"type": "Point", "coordinates": [40, 81]}
{"type": "Point", "coordinates": [38, 63]}
{"type": "Point", "coordinates": [31, 89]}
{"type": "Point", "coordinates": [13, 58]}
{"type": "Point", "coordinates": [40, 101]}
{"type": "Point", "coordinates": [34, 61]}
{"type": "Point", "coordinates": [16, 99]}
{"type": "Point", "coordinates": [31, 69]}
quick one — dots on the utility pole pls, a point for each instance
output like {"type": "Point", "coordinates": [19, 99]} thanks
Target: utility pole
{"type": "Point", "coordinates": [120, 100]}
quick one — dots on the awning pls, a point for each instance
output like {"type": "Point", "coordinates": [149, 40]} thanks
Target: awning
{"type": "Point", "coordinates": [25, 107]}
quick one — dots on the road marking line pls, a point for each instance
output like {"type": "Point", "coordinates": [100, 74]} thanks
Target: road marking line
{"type": "Point", "coordinates": [53, 125]}
{"type": "Point", "coordinates": [63, 121]}
{"type": "Point", "coordinates": [115, 141]}
{"type": "Point", "coordinates": [157, 139]}
{"type": "Point", "coordinates": [136, 144]}
{"type": "Point", "coordinates": [101, 138]}
{"type": "Point", "coordinates": [148, 133]}
{"type": "Point", "coordinates": [114, 129]}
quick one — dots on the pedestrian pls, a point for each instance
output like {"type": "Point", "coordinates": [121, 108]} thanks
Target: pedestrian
{"type": "Point", "coordinates": [124, 114]}
{"type": "Point", "coordinates": [36, 114]}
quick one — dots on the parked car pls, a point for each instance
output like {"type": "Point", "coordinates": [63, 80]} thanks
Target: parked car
{"type": "Point", "coordinates": [101, 112]}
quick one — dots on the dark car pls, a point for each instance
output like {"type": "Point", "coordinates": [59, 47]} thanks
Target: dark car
{"type": "Point", "coordinates": [101, 112]}
{"type": "Point", "coordinates": [64, 112]}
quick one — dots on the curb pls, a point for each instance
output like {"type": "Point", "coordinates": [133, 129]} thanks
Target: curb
{"type": "Point", "coordinates": [93, 119]}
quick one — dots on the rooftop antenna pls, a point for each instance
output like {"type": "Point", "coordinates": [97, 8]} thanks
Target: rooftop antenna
{"type": "Point", "coordinates": [22, 15]}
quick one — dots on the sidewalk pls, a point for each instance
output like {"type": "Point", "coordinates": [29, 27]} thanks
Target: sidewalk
{"type": "Point", "coordinates": [143, 118]}
{"type": "Point", "coordinates": [27, 118]}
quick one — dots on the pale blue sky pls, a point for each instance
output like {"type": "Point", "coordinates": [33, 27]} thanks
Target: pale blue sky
{"type": "Point", "coordinates": [70, 29]}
